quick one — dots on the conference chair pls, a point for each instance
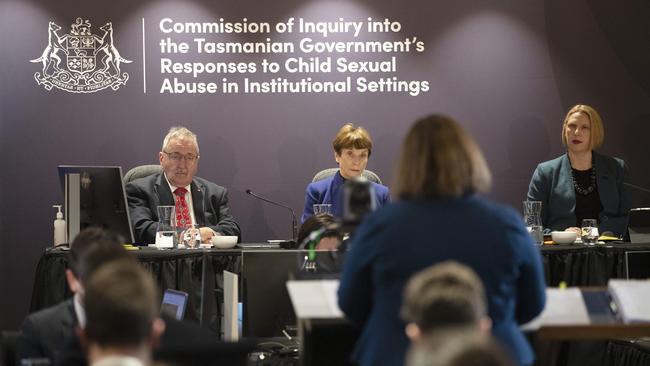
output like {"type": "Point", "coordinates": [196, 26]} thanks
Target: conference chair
{"type": "Point", "coordinates": [326, 173]}
{"type": "Point", "coordinates": [140, 171]}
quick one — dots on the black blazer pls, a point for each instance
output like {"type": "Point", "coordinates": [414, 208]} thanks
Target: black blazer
{"type": "Point", "coordinates": [210, 203]}
{"type": "Point", "coordinates": [49, 333]}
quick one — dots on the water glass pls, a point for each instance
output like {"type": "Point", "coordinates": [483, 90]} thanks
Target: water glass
{"type": "Point", "coordinates": [537, 232]}
{"type": "Point", "coordinates": [166, 231]}
{"type": "Point", "coordinates": [190, 237]}
{"type": "Point", "coordinates": [589, 231]}
{"type": "Point", "coordinates": [322, 209]}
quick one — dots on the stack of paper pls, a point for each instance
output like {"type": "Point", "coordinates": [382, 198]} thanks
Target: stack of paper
{"type": "Point", "coordinates": [563, 307]}
{"type": "Point", "coordinates": [632, 298]}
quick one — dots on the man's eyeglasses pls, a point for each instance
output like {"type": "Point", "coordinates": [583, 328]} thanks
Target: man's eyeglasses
{"type": "Point", "coordinates": [176, 157]}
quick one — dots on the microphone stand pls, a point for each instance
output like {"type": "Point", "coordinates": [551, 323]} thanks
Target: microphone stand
{"type": "Point", "coordinates": [293, 214]}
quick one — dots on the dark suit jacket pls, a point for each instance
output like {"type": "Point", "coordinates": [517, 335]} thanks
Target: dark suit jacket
{"type": "Point", "coordinates": [330, 190]}
{"type": "Point", "coordinates": [552, 184]}
{"type": "Point", "coordinates": [209, 200]}
{"type": "Point", "coordinates": [49, 333]}
{"type": "Point", "coordinates": [406, 237]}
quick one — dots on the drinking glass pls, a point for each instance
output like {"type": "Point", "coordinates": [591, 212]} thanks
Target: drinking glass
{"type": "Point", "coordinates": [190, 237]}
{"type": "Point", "coordinates": [589, 231]}
{"type": "Point", "coordinates": [322, 208]}
{"type": "Point", "coordinates": [533, 220]}
{"type": "Point", "coordinates": [166, 231]}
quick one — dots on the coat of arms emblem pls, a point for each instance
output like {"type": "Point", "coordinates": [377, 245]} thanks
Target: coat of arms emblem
{"type": "Point", "coordinates": [80, 61]}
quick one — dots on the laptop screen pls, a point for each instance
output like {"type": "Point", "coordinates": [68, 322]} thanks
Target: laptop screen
{"type": "Point", "coordinates": [173, 304]}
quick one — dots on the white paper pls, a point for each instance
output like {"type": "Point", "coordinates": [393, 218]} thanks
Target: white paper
{"type": "Point", "coordinates": [563, 307]}
{"type": "Point", "coordinates": [632, 298]}
{"type": "Point", "coordinates": [315, 299]}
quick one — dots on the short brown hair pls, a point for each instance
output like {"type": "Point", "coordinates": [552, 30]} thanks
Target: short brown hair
{"type": "Point", "coordinates": [443, 295]}
{"type": "Point", "coordinates": [597, 129]}
{"type": "Point", "coordinates": [439, 159]}
{"type": "Point", "coordinates": [351, 137]}
{"type": "Point", "coordinates": [121, 303]}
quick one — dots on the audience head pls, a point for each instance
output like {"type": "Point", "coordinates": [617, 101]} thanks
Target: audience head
{"type": "Point", "coordinates": [331, 238]}
{"type": "Point", "coordinates": [92, 248]}
{"type": "Point", "coordinates": [439, 159]}
{"type": "Point", "coordinates": [445, 295]}
{"type": "Point", "coordinates": [122, 310]}
{"type": "Point", "coordinates": [352, 148]}
{"type": "Point", "coordinates": [582, 129]}
{"type": "Point", "coordinates": [457, 347]}
{"type": "Point", "coordinates": [179, 157]}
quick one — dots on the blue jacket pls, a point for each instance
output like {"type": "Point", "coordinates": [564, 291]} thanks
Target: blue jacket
{"type": "Point", "coordinates": [330, 191]}
{"type": "Point", "coordinates": [552, 184]}
{"type": "Point", "coordinates": [403, 238]}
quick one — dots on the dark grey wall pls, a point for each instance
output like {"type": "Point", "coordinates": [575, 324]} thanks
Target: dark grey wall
{"type": "Point", "coordinates": [507, 70]}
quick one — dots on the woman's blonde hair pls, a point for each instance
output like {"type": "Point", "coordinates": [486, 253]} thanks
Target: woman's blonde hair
{"type": "Point", "coordinates": [597, 129]}
{"type": "Point", "coordinates": [439, 159]}
{"type": "Point", "coordinates": [351, 136]}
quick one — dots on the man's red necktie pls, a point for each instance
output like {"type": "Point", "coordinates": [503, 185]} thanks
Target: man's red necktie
{"type": "Point", "coordinates": [183, 218]}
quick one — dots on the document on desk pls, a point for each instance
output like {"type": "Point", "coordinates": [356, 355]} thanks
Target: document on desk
{"type": "Point", "coordinates": [563, 307]}
{"type": "Point", "coordinates": [315, 299]}
{"type": "Point", "coordinates": [631, 298]}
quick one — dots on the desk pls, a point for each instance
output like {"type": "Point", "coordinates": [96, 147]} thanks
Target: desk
{"type": "Point", "coordinates": [580, 265]}
{"type": "Point", "coordinates": [577, 265]}
{"type": "Point", "coordinates": [174, 269]}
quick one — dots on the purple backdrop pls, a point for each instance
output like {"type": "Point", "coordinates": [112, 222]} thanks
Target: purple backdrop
{"type": "Point", "coordinates": [507, 70]}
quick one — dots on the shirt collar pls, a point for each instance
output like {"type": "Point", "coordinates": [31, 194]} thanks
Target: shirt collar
{"type": "Point", "coordinates": [173, 188]}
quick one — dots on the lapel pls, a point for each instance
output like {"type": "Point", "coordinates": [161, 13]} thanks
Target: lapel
{"type": "Point", "coordinates": [605, 182]}
{"type": "Point", "coordinates": [567, 182]}
{"type": "Point", "coordinates": [165, 197]}
{"type": "Point", "coordinates": [69, 320]}
{"type": "Point", "coordinates": [198, 192]}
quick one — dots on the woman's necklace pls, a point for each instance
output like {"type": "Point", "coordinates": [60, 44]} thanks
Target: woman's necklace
{"type": "Point", "coordinates": [592, 182]}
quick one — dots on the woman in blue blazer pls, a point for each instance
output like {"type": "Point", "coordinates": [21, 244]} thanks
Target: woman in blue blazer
{"type": "Point", "coordinates": [352, 148]}
{"type": "Point", "coordinates": [582, 184]}
{"type": "Point", "coordinates": [439, 217]}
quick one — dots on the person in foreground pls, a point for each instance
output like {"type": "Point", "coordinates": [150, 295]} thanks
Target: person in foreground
{"type": "Point", "coordinates": [443, 296]}
{"type": "Point", "coordinates": [198, 201]}
{"type": "Point", "coordinates": [50, 333]}
{"type": "Point", "coordinates": [123, 326]}
{"type": "Point", "coordinates": [457, 347]}
{"type": "Point", "coordinates": [439, 217]}
{"type": "Point", "coordinates": [582, 184]}
{"type": "Point", "coordinates": [352, 148]}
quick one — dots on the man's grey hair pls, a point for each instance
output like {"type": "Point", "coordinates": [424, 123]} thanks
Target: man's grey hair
{"type": "Point", "coordinates": [180, 133]}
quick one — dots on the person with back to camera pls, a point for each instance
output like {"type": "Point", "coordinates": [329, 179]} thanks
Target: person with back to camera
{"type": "Point", "coordinates": [330, 239]}
{"type": "Point", "coordinates": [582, 184]}
{"type": "Point", "coordinates": [444, 295]}
{"type": "Point", "coordinates": [123, 326]}
{"type": "Point", "coordinates": [197, 200]}
{"type": "Point", "coordinates": [50, 333]}
{"type": "Point", "coordinates": [352, 148]}
{"type": "Point", "coordinates": [457, 347]}
{"type": "Point", "coordinates": [439, 217]}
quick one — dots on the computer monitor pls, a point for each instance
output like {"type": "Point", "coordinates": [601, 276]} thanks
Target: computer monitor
{"type": "Point", "coordinates": [95, 196]}
{"type": "Point", "coordinates": [174, 304]}
{"type": "Point", "coordinates": [267, 307]}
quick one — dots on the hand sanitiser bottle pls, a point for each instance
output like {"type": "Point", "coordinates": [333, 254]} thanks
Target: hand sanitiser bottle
{"type": "Point", "coordinates": [59, 227]}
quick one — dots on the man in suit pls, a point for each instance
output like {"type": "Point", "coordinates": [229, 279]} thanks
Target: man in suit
{"type": "Point", "coordinates": [50, 333]}
{"type": "Point", "coordinates": [123, 326]}
{"type": "Point", "coordinates": [198, 201]}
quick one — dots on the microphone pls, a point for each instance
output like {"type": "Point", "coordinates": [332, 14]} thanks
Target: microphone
{"type": "Point", "coordinates": [646, 190]}
{"type": "Point", "coordinates": [293, 214]}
